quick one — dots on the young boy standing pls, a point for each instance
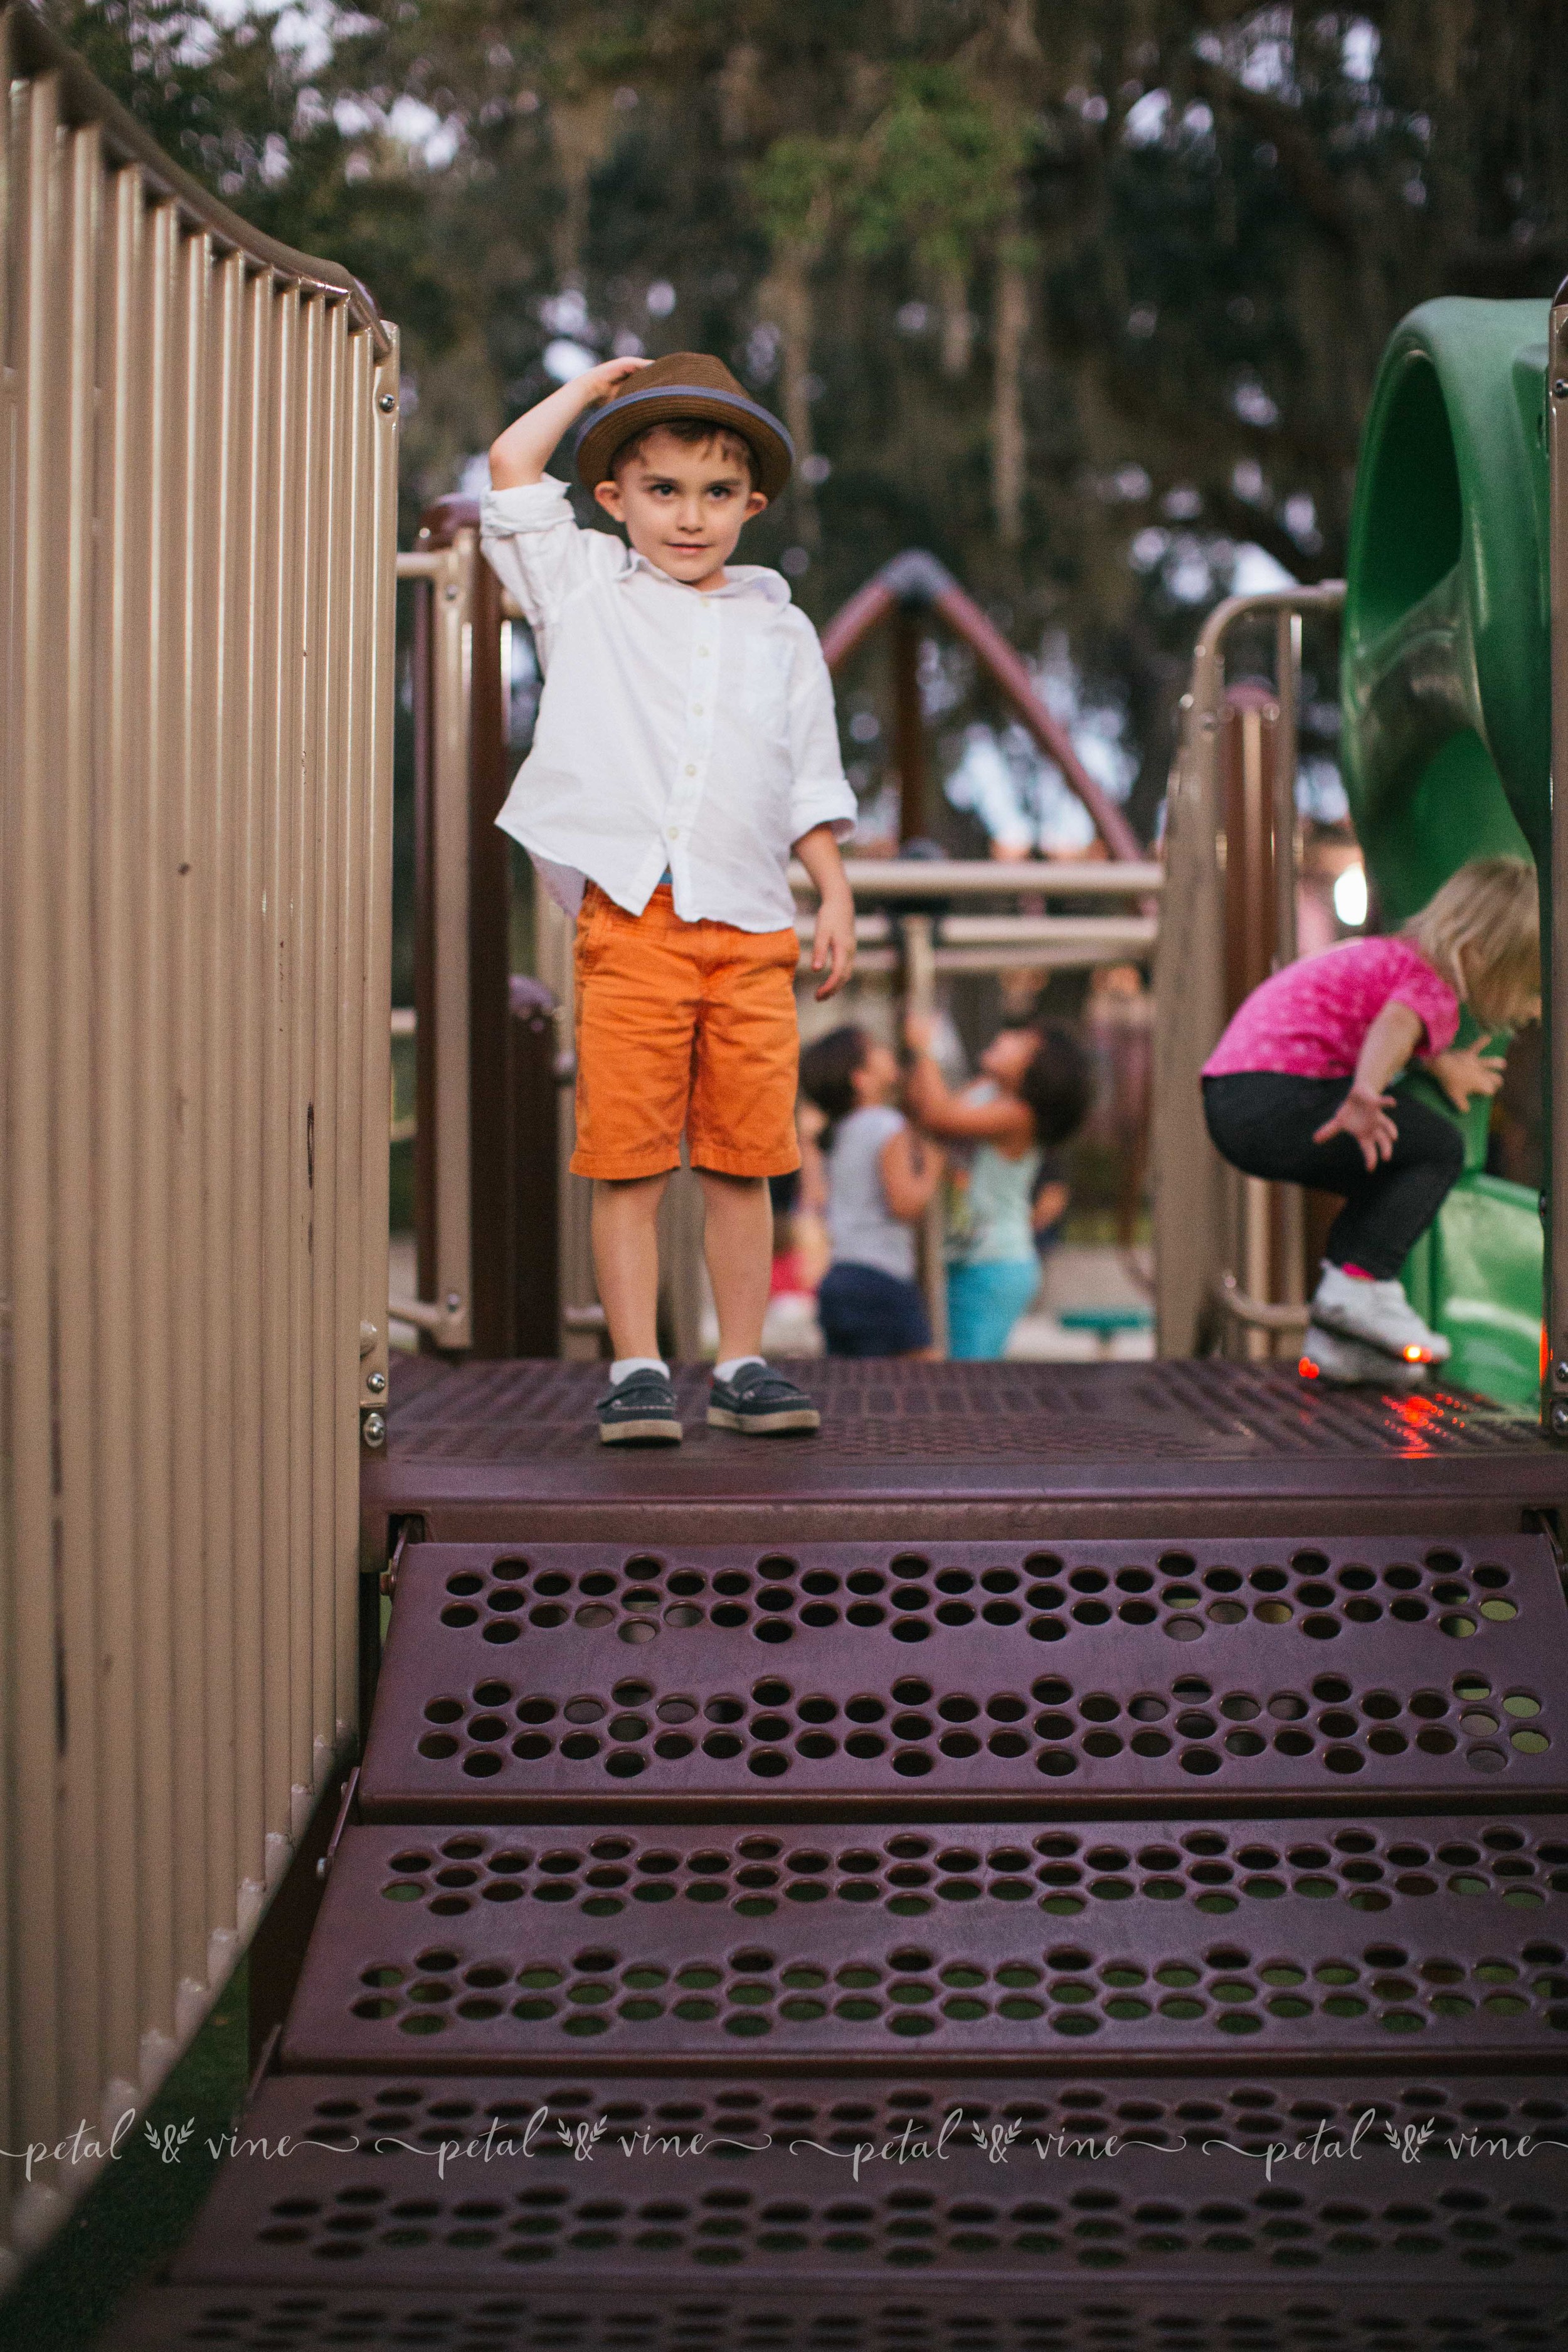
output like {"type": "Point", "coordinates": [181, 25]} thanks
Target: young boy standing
{"type": "Point", "coordinates": [685, 750]}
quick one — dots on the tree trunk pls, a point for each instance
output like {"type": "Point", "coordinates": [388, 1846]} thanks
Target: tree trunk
{"type": "Point", "coordinates": [957, 326]}
{"type": "Point", "coordinates": [786, 296]}
{"type": "Point", "coordinates": [1008, 455]}
{"type": "Point", "coordinates": [739, 81]}
{"type": "Point", "coordinates": [583, 128]}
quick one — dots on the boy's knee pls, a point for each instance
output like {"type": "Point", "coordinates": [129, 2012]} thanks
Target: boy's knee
{"type": "Point", "coordinates": [628, 1193]}
{"type": "Point", "coordinates": [732, 1195]}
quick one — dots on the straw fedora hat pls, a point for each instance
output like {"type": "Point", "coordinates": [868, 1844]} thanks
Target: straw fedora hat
{"type": "Point", "coordinates": [686, 384]}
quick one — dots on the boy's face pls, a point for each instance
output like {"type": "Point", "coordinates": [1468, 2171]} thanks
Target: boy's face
{"type": "Point", "coordinates": [683, 504]}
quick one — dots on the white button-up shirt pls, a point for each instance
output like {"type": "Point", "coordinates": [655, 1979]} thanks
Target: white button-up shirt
{"type": "Point", "coordinates": [679, 728]}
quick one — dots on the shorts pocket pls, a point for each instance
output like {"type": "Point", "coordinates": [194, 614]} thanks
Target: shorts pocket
{"type": "Point", "coordinates": [593, 916]}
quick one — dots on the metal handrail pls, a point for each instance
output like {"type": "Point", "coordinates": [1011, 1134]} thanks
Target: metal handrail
{"type": "Point", "coordinates": [967, 943]}
{"type": "Point", "coordinates": [1287, 604]}
{"type": "Point", "coordinates": [983, 943]}
{"type": "Point", "coordinates": [1261, 1314]}
{"type": "Point", "coordinates": [450, 573]}
{"type": "Point", "coordinates": [198, 506]}
{"type": "Point", "coordinates": [979, 877]}
{"type": "Point", "coordinates": [31, 46]}
{"type": "Point", "coordinates": [1190, 990]}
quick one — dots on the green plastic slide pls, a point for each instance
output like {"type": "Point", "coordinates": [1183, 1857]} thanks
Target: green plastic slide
{"type": "Point", "coordinates": [1445, 694]}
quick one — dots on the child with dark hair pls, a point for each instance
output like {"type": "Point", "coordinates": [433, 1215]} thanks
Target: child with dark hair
{"type": "Point", "coordinates": [880, 1176]}
{"type": "Point", "coordinates": [1034, 1088]}
{"type": "Point", "coordinates": [686, 751]}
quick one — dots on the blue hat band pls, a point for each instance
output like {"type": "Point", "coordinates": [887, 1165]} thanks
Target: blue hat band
{"type": "Point", "coordinates": [596, 417]}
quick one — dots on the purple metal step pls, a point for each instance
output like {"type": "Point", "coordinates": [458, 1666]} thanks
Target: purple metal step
{"type": "Point", "coordinates": [714, 2319]}
{"type": "Point", "coordinates": [984, 2187]}
{"type": "Point", "coordinates": [960, 1450]}
{"type": "Point", "coordinates": [579, 1680]}
{"type": "Point", "coordinates": [1319, 1944]}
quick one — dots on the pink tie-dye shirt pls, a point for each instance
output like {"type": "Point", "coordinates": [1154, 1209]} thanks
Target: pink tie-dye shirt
{"type": "Point", "coordinates": [1311, 1018]}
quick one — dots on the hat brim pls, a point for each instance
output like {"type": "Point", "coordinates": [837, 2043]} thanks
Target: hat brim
{"type": "Point", "coordinates": [635, 412]}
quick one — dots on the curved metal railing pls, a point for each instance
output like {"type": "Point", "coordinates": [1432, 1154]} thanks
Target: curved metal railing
{"type": "Point", "coordinates": [197, 509]}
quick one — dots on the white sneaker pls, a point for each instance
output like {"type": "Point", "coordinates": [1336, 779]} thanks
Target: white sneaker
{"type": "Point", "coordinates": [1350, 1363]}
{"type": "Point", "coordinates": [1378, 1313]}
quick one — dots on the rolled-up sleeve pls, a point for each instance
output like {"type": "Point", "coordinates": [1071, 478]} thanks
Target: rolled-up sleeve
{"type": "Point", "coordinates": [819, 790]}
{"type": "Point", "coordinates": [532, 542]}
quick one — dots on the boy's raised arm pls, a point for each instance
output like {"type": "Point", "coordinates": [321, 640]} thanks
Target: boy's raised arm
{"type": "Point", "coordinates": [519, 454]}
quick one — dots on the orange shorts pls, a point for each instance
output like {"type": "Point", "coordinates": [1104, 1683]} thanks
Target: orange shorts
{"type": "Point", "coordinates": [683, 1027]}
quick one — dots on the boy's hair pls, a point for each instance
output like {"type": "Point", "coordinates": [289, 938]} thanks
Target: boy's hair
{"type": "Point", "coordinates": [827, 1071]}
{"type": "Point", "coordinates": [1483, 932]}
{"type": "Point", "coordinates": [1058, 1085]}
{"type": "Point", "coordinates": [694, 431]}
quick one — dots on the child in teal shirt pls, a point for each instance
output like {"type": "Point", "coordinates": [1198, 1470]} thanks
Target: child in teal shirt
{"type": "Point", "coordinates": [1035, 1088]}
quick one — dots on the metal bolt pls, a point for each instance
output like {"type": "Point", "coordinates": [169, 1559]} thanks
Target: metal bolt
{"type": "Point", "coordinates": [387, 403]}
{"type": "Point", "coordinates": [453, 1302]}
{"type": "Point", "coordinates": [1560, 1370]}
{"type": "Point", "coordinates": [1560, 1418]}
{"type": "Point", "coordinates": [452, 595]}
{"type": "Point", "coordinates": [1560, 389]}
{"type": "Point", "coordinates": [373, 1429]}
{"type": "Point", "coordinates": [377, 1381]}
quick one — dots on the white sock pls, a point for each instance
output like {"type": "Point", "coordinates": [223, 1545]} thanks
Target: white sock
{"type": "Point", "coordinates": [731, 1365]}
{"type": "Point", "coordinates": [624, 1366]}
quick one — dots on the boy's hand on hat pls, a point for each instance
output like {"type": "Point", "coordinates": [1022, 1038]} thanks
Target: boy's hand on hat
{"type": "Point", "coordinates": [602, 382]}
{"type": "Point", "coordinates": [519, 456]}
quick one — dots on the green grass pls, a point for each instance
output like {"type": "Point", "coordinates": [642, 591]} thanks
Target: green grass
{"type": "Point", "coordinates": [140, 2207]}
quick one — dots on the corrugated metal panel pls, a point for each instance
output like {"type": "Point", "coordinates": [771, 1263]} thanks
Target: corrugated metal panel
{"type": "Point", "coordinates": [197, 483]}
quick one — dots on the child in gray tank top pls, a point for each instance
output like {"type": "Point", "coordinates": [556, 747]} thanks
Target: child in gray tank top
{"type": "Point", "coordinates": [880, 1176]}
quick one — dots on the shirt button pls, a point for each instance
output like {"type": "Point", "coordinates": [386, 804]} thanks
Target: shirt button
{"type": "Point", "coordinates": [697, 710]}
{"type": "Point", "coordinates": [703, 651]}
{"type": "Point", "coordinates": [674, 832]}
{"type": "Point", "coordinates": [690, 770]}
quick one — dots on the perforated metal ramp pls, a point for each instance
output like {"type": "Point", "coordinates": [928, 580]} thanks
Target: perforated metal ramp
{"type": "Point", "coordinates": [588, 1681]}
{"type": "Point", "coordinates": [1062, 1864]}
{"type": "Point", "coordinates": [417, 2188]}
{"type": "Point", "coordinates": [737, 2318]}
{"type": "Point", "coordinates": [699, 1949]}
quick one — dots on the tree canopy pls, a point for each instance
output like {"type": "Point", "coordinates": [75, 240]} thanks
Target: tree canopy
{"type": "Point", "coordinates": [1081, 300]}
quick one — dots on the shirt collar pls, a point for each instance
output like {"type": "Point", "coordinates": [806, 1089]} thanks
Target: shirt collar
{"type": "Point", "coordinates": [741, 580]}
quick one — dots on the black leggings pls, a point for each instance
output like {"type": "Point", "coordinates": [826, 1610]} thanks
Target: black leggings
{"type": "Point", "coordinates": [1263, 1122]}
